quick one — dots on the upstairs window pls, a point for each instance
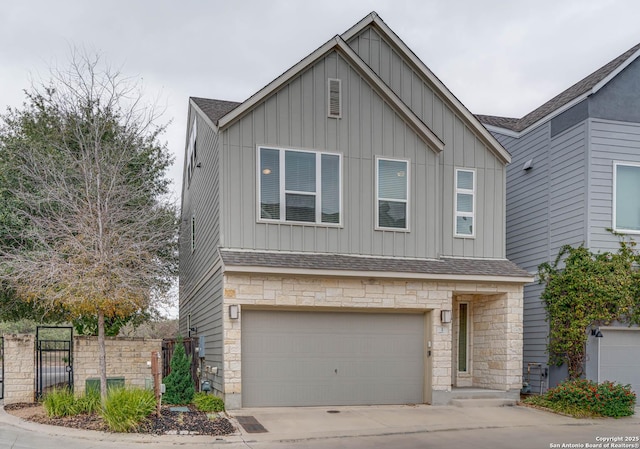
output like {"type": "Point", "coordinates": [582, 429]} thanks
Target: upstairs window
{"type": "Point", "coordinates": [626, 201]}
{"type": "Point", "coordinates": [192, 152]}
{"type": "Point", "coordinates": [465, 199]}
{"type": "Point", "coordinates": [299, 186]}
{"type": "Point", "coordinates": [392, 194]}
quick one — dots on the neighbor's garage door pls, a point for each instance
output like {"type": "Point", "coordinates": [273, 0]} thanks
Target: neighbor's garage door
{"type": "Point", "coordinates": [620, 357]}
{"type": "Point", "coordinates": [320, 358]}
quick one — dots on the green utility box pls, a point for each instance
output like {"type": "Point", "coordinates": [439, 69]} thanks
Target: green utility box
{"type": "Point", "coordinates": [93, 384]}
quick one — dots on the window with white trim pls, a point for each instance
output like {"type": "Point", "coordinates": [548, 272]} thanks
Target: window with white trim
{"type": "Point", "coordinates": [299, 186]}
{"type": "Point", "coordinates": [392, 194]}
{"type": "Point", "coordinates": [626, 201]}
{"type": "Point", "coordinates": [465, 202]}
{"type": "Point", "coordinates": [463, 337]}
{"type": "Point", "coordinates": [192, 152]}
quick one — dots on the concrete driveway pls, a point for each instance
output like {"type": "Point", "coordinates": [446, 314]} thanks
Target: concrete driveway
{"type": "Point", "coordinates": [291, 424]}
{"type": "Point", "coordinates": [351, 427]}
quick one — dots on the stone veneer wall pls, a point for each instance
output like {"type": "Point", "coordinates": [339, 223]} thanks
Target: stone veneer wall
{"type": "Point", "coordinates": [497, 341]}
{"type": "Point", "coordinates": [326, 293]}
{"type": "Point", "coordinates": [126, 357]}
{"type": "Point", "coordinates": [19, 368]}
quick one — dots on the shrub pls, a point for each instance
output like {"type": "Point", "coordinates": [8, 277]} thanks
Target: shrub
{"type": "Point", "coordinates": [208, 402]}
{"type": "Point", "coordinates": [179, 387]}
{"type": "Point", "coordinates": [60, 402]}
{"type": "Point", "coordinates": [584, 397]}
{"type": "Point", "coordinates": [125, 409]}
{"type": "Point", "coordinates": [89, 403]}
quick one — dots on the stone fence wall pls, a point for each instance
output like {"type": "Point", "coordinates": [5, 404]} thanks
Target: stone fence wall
{"type": "Point", "coordinates": [126, 358]}
{"type": "Point", "coordinates": [19, 368]}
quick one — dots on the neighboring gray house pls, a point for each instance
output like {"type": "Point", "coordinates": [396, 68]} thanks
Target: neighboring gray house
{"type": "Point", "coordinates": [576, 172]}
{"type": "Point", "coordinates": [343, 236]}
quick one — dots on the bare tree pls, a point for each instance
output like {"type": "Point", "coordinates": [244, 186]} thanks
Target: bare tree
{"type": "Point", "coordinates": [98, 236]}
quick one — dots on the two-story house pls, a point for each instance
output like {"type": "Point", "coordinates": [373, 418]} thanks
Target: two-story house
{"type": "Point", "coordinates": [343, 236]}
{"type": "Point", "coordinates": [575, 173]}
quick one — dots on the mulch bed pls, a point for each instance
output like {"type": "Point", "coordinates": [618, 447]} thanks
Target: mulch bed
{"type": "Point", "coordinates": [193, 422]}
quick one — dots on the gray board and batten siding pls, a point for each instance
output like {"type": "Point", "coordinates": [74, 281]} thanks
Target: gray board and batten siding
{"type": "Point", "coordinates": [295, 117]}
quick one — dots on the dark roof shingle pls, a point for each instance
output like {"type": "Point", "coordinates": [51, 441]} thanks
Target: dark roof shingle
{"type": "Point", "coordinates": [215, 109]}
{"type": "Point", "coordinates": [338, 262]}
{"type": "Point", "coordinates": [563, 98]}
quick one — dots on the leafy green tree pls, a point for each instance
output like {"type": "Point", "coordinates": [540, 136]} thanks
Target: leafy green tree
{"type": "Point", "coordinates": [87, 230]}
{"type": "Point", "coordinates": [179, 387]}
{"type": "Point", "coordinates": [584, 290]}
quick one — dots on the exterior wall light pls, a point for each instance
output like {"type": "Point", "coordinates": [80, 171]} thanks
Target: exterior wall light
{"type": "Point", "coordinates": [233, 311]}
{"type": "Point", "coordinates": [445, 316]}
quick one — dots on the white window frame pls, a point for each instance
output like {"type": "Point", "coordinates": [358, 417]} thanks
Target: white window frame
{"type": "Point", "coordinates": [191, 151]}
{"type": "Point", "coordinates": [377, 198]}
{"type": "Point", "coordinates": [283, 191]}
{"type": "Point", "coordinates": [614, 224]}
{"type": "Point", "coordinates": [457, 213]}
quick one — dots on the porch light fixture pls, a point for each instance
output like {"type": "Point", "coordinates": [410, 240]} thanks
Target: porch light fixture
{"type": "Point", "coordinates": [596, 333]}
{"type": "Point", "coordinates": [445, 316]}
{"type": "Point", "coordinates": [233, 311]}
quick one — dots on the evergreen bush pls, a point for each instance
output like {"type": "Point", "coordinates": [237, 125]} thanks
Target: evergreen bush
{"type": "Point", "coordinates": [179, 387]}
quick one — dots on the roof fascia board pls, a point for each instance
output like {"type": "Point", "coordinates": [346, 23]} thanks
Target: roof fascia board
{"type": "Point", "coordinates": [377, 274]}
{"type": "Point", "coordinates": [542, 121]}
{"type": "Point", "coordinates": [418, 125]}
{"type": "Point", "coordinates": [615, 73]}
{"type": "Point", "coordinates": [275, 84]}
{"type": "Point", "coordinates": [358, 27]}
{"type": "Point", "coordinates": [485, 135]}
{"type": "Point", "coordinates": [503, 131]}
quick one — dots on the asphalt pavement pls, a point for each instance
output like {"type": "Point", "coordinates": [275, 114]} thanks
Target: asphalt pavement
{"type": "Point", "coordinates": [354, 427]}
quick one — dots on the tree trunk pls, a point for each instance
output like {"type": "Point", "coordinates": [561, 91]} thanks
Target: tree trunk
{"type": "Point", "coordinates": [102, 358]}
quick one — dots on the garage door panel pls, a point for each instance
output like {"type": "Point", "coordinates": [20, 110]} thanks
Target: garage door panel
{"type": "Point", "coordinates": [319, 358]}
{"type": "Point", "coordinates": [620, 357]}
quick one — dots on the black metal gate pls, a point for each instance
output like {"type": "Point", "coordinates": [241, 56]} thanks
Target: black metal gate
{"type": "Point", "coordinates": [1, 367]}
{"type": "Point", "coordinates": [54, 358]}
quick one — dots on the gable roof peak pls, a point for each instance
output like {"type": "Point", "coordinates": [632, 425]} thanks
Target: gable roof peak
{"type": "Point", "coordinates": [339, 43]}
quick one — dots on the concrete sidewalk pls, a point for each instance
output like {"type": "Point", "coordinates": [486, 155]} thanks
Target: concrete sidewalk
{"type": "Point", "coordinates": [316, 423]}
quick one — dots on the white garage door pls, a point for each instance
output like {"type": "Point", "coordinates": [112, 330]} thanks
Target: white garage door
{"type": "Point", "coordinates": [320, 358]}
{"type": "Point", "coordinates": [620, 357]}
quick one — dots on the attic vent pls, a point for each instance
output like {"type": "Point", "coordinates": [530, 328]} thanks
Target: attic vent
{"type": "Point", "coordinates": [335, 106]}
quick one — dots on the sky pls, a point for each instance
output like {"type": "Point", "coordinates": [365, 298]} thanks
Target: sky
{"type": "Point", "coordinates": [499, 57]}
